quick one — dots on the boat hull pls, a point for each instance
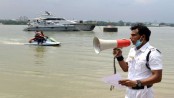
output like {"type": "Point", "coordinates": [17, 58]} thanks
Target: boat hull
{"type": "Point", "coordinates": [76, 27]}
{"type": "Point", "coordinates": [84, 27]}
{"type": "Point", "coordinates": [44, 44]}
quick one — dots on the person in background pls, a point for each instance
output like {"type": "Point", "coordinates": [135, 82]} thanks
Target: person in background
{"type": "Point", "coordinates": [142, 74]}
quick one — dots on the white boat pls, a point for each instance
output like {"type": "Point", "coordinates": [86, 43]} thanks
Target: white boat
{"type": "Point", "coordinates": [49, 42]}
{"type": "Point", "coordinates": [47, 22]}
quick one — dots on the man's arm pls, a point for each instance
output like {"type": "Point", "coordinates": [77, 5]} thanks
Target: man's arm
{"type": "Point", "coordinates": [155, 78]}
{"type": "Point", "coordinates": [123, 65]}
{"type": "Point", "coordinates": [156, 68]}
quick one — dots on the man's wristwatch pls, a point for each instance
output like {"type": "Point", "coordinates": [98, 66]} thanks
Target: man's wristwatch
{"type": "Point", "coordinates": [139, 84]}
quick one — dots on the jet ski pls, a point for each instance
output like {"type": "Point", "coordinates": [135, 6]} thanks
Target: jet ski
{"type": "Point", "coordinates": [49, 41]}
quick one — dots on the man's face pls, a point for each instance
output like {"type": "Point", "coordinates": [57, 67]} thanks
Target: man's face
{"type": "Point", "coordinates": [134, 36]}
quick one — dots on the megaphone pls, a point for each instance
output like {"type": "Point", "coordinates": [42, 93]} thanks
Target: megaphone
{"type": "Point", "coordinates": [101, 44]}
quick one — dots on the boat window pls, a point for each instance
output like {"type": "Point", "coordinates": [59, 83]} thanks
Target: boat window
{"type": "Point", "coordinates": [54, 19]}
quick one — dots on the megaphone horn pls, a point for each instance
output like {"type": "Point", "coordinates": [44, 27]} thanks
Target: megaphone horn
{"type": "Point", "coordinates": [101, 44]}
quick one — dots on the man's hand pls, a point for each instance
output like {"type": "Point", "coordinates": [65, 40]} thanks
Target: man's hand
{"type": "Point", "coordinates": [117, 52]}
{"type": "Point", "coordinates": [128, 83]}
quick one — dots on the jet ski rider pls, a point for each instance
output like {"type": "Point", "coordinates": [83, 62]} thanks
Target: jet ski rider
{"type": "Point", "coordinates": [39, 37]}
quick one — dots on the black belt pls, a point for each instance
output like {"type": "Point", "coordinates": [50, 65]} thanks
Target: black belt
{"type": "Point", "coordinates": [142, 87]}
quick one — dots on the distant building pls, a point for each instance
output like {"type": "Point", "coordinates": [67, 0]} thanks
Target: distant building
{"type": "Point", "coordinates": [155, 24]}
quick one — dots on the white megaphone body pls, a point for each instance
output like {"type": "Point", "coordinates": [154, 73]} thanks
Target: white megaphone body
{"type": "Point", "coordinates": [100, 44]}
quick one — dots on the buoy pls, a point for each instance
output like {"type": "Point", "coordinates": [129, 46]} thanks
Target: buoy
{"type": "Point", "coordinates": [110, 29]}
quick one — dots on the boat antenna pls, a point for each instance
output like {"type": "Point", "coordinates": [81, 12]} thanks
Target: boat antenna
{"type": "Point", "coordinates": [47, 13]}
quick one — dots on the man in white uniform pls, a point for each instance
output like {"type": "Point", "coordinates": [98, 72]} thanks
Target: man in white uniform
{"type": "Point", "coordinates": [142, 73]}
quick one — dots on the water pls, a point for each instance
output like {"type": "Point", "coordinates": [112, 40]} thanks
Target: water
{"type": "Point", "coordinates": [71, 70]}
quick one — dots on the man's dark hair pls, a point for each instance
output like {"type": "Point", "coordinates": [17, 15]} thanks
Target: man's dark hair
{"type": "Point", "coordinates": [142, 29]}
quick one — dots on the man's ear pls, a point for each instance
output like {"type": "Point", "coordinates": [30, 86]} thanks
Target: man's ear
{"type": "Point", "coordinates": [143, 37]}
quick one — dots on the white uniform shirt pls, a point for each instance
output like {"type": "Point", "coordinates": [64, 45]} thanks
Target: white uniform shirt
{"type": "Point", "coordinates": [137, 62]}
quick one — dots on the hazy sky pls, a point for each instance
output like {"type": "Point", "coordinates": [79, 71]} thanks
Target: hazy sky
{"type": "Point", "coordinates": [106, 10]}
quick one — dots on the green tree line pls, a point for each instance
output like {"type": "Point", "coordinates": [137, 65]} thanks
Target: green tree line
{"type": "Point", "coordinates": [99, 23]}
{"type": "Point", "coordinates": [13, 22]}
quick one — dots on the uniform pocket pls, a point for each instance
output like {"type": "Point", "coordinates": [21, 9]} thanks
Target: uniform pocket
{"type": "Point", "coordinates": [140, 65]}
